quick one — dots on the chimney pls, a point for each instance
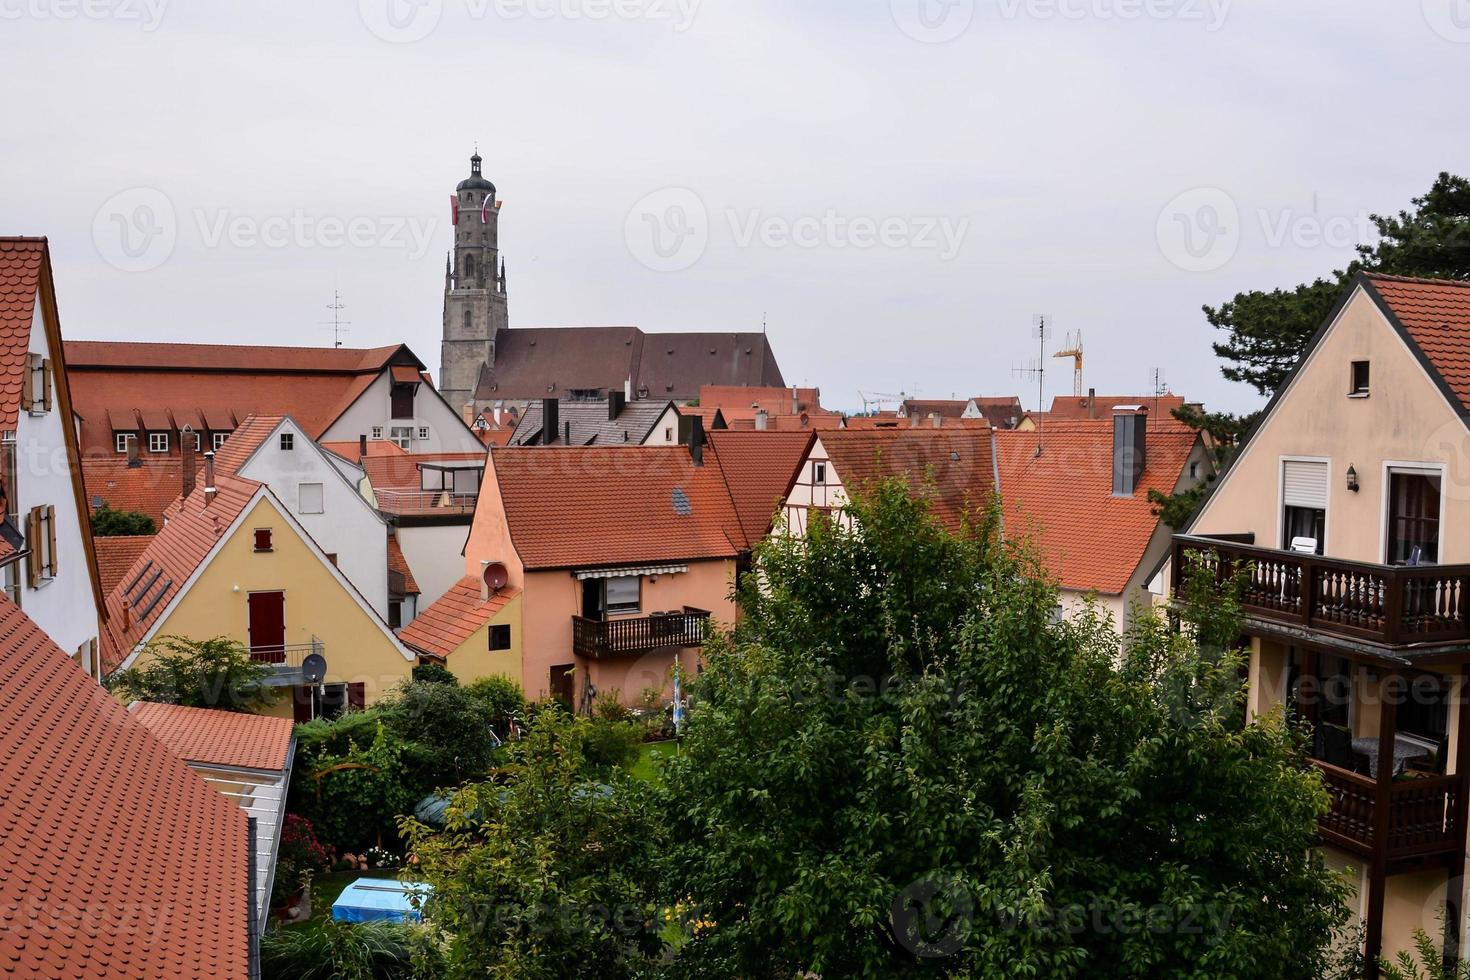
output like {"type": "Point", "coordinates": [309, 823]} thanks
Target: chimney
{"type": "Point", "coordinates": [627, 389]}
{"type": "Point", "coordinates": [1092, 403]}
{"type": "Point", "coordinates": [550, 420]}
{"type": "Point", "coordinates": [127, 615]}
{"type": "Point", "coordinates": [566, 436]}
{"type": "Point", "coordinates": [186, 451]}
{"type": "Point", "coordinates": [133, 460]}
{"type": "Point", "coordinates": [361, 447]}
{"type": "Point", "coordinates": [795, 402]}
{"type": "Point", "coordinates": [935, 419]}
{"type": "Point", "coordinates": [691, 434]}
{"type": "Point", "coordinates": [616, 402]}
{"type": "Point", "coordinates": [1130, 451]}
{"type": "Point", "coordinates": [484, 585]}
{"type": "Point", "coordinates": [762, 420]}
{"type": "Point", "coordinates": [209, 489]}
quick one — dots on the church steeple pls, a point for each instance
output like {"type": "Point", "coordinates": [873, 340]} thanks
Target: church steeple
{"type": "Point", "coordinates": [475, 308]}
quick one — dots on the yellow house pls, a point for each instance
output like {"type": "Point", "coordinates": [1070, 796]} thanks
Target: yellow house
{"type": "Point", "coordinates": [232, 560]}
{"type": "Point", "coordinates": [473, 629]}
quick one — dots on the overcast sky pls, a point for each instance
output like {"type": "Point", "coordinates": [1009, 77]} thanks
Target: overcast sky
{"type": "Point", "coordinates": [897, 186]}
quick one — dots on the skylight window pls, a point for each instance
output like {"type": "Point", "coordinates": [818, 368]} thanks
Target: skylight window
{"type": "Point", "coordinates": [682, 507]}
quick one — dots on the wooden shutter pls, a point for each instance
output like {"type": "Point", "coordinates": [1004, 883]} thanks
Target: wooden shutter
{"type": "Point", "coordinates": [301, 704]}
{"type": "Point", "coordinates": [357, 695]}
{"type": "Point", "coordinates": [46, 383]}
{"type": "Point", "coordinates": [51, 540]}
{"type": "Point", "coordinates": [28, 387]}
{"type": "Point", "coordinates": [33, 542]}
{"type": "Point", "coordinates": [1304, 484]}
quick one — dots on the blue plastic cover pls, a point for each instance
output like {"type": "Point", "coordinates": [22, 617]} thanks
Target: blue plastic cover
{"type": "Point", "coordinates": [380, 900]}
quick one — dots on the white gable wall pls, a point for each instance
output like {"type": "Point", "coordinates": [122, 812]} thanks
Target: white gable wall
{"type": "Point", "coordinates": [374, 408]}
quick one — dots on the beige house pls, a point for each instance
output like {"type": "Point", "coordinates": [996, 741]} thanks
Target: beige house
{"type": "Point", "coordinates": [1342, 509]}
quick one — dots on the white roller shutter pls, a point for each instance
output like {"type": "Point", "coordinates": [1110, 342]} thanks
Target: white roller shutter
{"type": "Point", "coordinates": [1304, 484]}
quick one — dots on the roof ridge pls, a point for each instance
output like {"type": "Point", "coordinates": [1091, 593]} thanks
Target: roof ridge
{"type": "Point", "coordinates": [1419, 280]}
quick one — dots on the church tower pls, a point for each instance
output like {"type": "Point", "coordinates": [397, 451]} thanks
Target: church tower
{"type": "Point", "coordinates": [474, 289]}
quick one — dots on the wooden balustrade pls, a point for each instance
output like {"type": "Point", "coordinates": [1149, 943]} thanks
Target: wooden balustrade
{"type": "Point", "coordinates": [623, 637]}
{"type": "Point", "coordinates": [1389, 604]}
{"type": "Point", "coordinates": [1421, 814]}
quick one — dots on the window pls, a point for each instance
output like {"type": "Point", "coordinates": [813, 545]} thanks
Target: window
{"type": "Point", "coordinates": [1413, 518]}
{"type": "Point", "coordinates": [395, 614]}
{"type": "Point", "coordinates": [377, 432]}
{"type": "Point", "coordinates": [263, 539]}
{"type": "Point", "coordinates": [469, 321]}
{"type": "Point", "coordinates": [500, 637]}
{"type": "Point", "coordinates": [401, 436]}
{"type": "Point", "coordinates": [41, 540]}
{"type": "Point", "coordinates": [218, 440]}
{"type": "Point", "coordinates": [121, 439]}
{"type": "Point", "coordinates": [288, 441]}
{"type": "Point", "coordinates": [310, 498]}
{"type": "Point", "coordinates": [1307, 523]}
{"type": "Point", "coordinates": [668, 433]}
{"type": "Point", "coordinates": [1194, 470]}
{"type": "Point", "coordinates": [1359, 384]}
{"type": "Point", "coordinates": [819, 472]}
{"type": "Point", "coordinates": [1424, 709]}
{"type": "Point", "coordinates": [623, 594]}
{"type": "Point", "coordinates": [158, 442]}
{"type": "Point", "coordinates": [198, 441]}
{"type": "Point", "coordinates": [402, 401]}
{"type": "Point", "coordinates": [423, 432]}
{"type": "Point", "coordinates": [1304, 504]}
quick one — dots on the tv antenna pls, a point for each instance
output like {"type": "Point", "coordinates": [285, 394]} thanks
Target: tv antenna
{"type": "Point", "coordinates": [1041, 331]}
{"type": "Point", "coordinates": [338, 325]}
{"type": "Point", "coordinates": [1158, 387]}
{"type": "Point", "coordinates": [1074, 351]}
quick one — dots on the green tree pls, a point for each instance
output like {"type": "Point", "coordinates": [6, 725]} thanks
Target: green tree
{"type": "Point", "coordinates": [503, 699]}
{"type": "Point", "coordinates": [353, 797]}
{"type": "Point", "coordinates": [214, 673]}
{"type": "Point", "coordinates": [1269, 329]}
{"type": "Point", "coordinates": [431, 672]}
{"type": "Point", "coordinates": [548, 875]}
{"type": "Point", "coordinates": [1430, 966]}
{"type": "Point", "coordinates": [348, 951]}
{"type": "Point", "coordinates": [109, 523]}
{"type": "Point", "coordinates": [445, 730]}
{"type": "Point", "coordinates": [904, 764]}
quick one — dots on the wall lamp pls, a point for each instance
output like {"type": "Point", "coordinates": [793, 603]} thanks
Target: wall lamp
{"type": "Point", "coordinates": [1352, 479]}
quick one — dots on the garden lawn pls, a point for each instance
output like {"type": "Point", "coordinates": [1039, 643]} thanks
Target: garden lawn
{"type": "Point", "coordinates": [650, 757]}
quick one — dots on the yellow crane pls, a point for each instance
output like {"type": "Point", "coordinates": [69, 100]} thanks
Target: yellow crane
{"type": "Point", "coordinates": [1073, 350]}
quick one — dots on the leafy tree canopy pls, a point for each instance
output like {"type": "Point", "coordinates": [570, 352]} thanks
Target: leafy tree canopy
{"type": "Point", "coordinates": [215, 673]}
{"type": "Point", "coordinates": [109, 523]}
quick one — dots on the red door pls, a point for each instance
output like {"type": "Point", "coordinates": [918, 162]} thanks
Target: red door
{"type": "Point", "coordinates": [267, 626]}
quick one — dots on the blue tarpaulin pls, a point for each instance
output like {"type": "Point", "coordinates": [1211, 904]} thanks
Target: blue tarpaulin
{"type": "Point", "coordinates": [379, 900]}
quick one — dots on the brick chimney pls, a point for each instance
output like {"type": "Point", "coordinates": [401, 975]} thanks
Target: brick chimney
{"type": "Point", "coordinates": [1092, 403]}
{"type": "Point", "coordinates": [550, 420]}
{"type": "Point", "coordinates": [186, 452]}
{"type": "Point", "coordinates": [133, 458]}
{"type": "Point", "coordinates": [691, 434]}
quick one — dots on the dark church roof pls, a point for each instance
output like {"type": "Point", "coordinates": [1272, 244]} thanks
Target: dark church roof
{"type": "Point", "coordinates": [540, 362]}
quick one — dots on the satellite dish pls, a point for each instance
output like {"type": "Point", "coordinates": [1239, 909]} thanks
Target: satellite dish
{"type": "Point", "coordinates": [313, 668]}
{"type": "Point", "coordinates": [496, 576]}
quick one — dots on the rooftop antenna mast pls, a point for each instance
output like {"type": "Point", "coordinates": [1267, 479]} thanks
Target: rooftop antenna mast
{"type": "Point", "coordinates": [338, 325]}
{"type": "Point", "coordinates": [1074, 351]}
{"type": "Point", "coordinates": [1041, 330]}
{"type": "Point", "coordinates": [1158, 388]}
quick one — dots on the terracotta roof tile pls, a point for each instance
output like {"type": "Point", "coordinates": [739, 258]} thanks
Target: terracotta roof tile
{"type": "Point", "coordinates": [115, 859]}
{"type": "Point", "coordinates": [959, 461]}
{"type": "Point", "coordinates": [21, 260]}
{"type": "Point", "coordinates": [1063, 498]}
{"type": "Point", "coordinates": [218, 738]}
{"type": "Point", "coordinates": [758, 468]}
{"type": "Point", "coordinates": [115, 555]}
{"type": "Point", "coordinates": [1073, 407]}
{"type": "Point", "coordinates": [1436, 315]}
{"type": "Point", "coordinates": [146, 489]}
{"type": "Point", "coordinates": [453, 618]}
{"type": "Point", "coordinates": [945, 408]}
{"type": "Point", "coordinates": [741, 402]}
{"type": "Point", "coordinates": [192, 529]}
{"type": "Point", "coordinates": [570, 506]}
{"type": "Point", "coordinates": [244, 441]}
{"type": "Point", "coordinates": [398, 563]}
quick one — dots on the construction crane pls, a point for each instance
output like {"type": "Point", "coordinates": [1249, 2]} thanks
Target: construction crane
{"type": "Point", "coordinates": [873, 401]}
{"type": "Point", "coordinates": [1073, 350]}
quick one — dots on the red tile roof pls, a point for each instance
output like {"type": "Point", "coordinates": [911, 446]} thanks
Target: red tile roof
{"type": "Point", "coordinates": [454, 617]}
{"type": "Point", "coordinates": [115, 859]}
{"type": "Point", "coordinates": [218, 738]}
{"type": "Point", "coordinates": [194, 526]}
{"type": "Point", "coordinates": [758, 468]}
{"type": "Point", "coordinates": [1063, 499]}
{"type": "Point", "coordinates": [945, 408]}
{"type": "Point", "coordinates": [116, 555]}
{"type": "Point", "coordinates": [571, 506]}
{"type": "Point", "coordinates": [146, 489]}
{"type": "Point", "coordinates": [21, 261]}
{"type": "Point", "coordinates": [203, 384]}
{"type": "Point", "coordinates": [958, 461]}
{"type": "Point", "coordinates": [244, 441]}
{"type": "Point", "coordinates": [1436, 315]}
{"type": "Point", "coordinates": [739, 401]}
{"type": "Point", "coordinates": [398, 563]}
{"type": "Point", "coordinates": [1073, 407]}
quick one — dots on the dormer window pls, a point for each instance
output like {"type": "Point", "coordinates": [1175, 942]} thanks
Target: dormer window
{"type": "Point", "coordinates": [1359, 381]}
{"type": "Point", "coordinates": [218, 440]}
{"type": "Point", "coordinates": [121, 440]}
{"type": "Point", "coordinates": [158, 442]}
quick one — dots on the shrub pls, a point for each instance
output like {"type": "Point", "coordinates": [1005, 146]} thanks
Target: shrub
{"type": "Point", "coordinates": [360, 951]}
{"type": "Point", "coordinates": [354, 798]}
{"type": "Point", "coordinates": [109, 523]}
{"type": "Point", "coordinates": [611, 744]}
{"type": "Point", "coordinates": [299, 856]}
{"type": "Point", "coordinates": [609, 706]}
{"type": "Point", "coordinates": [216, 673]}
{"type": "Point", "coordinates": [430, 672]}
{"type": "Point", "coordinates": [503, 701]}
{"type": "Point", "coordinates": [448, 731]}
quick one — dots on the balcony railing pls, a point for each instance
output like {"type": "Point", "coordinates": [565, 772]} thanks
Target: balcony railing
{"type": "Point", "coordinates": [287, 660]}
{"type": "Point", "coordinates": [1389, 604]}
{"type": "Point", "coordinates": [1421, 814]}
{"type": "Point", "coordinates": [624, 637]}
{"type": "Point", "coordinates": [425, 502]}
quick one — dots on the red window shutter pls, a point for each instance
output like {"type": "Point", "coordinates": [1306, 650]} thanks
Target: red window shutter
{"type": "Point", "coordinates": [301, 704]}
{"type": "Point", "coordinates": [46, 383]}
{"type": "Point", "coordinates": [263, 539]}
{"type": "Point", "coordinates": [357, 695]}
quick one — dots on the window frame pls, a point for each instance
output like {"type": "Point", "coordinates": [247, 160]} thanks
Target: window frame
{"type": "Point", "coordinates": [377, 432]}
{"type": "Point", "coordinates": [1281, 504]}
{"type": "Point", "coordinates": [120, 440]}
{"type": "Point", "coordinates": [256, 539]}
{"type": "Point", "coordinates": [321, 490]}
{"type": "Point", "coordinates": [217, 440]}
{"type": "Point", "coordinates": [819, 472]}
{"type": "Point", "coordinates": [423, 432]}
{"type": "Point", "coordinates": [609, 608]}
{"type": "Point", "coordinates": [403, 432]}
{"type": "Point", "coordinates": [1355, 388]}
{"type": "Point", "coordinates": [1392, 468]}
{"type": "Point", "coordinates": [500, 630]}
{"type": "Point", "coordinates": [288, 442]}
{"type": "Point", "coordinates": [156, 439]}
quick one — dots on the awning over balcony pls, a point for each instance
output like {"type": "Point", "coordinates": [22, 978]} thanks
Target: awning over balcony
{"type": "Point", "coordinates": [630, 571]}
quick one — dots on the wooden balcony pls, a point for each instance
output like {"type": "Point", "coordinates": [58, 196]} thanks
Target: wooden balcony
{"type": "Point", "coordinates": [599, 639]}
{"type": "Point", "coordinates": [1391, 605]}
{"type": "Point", "coordinates": [1420, 821]}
